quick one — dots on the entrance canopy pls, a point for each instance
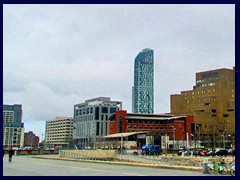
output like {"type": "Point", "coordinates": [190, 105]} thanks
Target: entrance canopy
{"type": "Point", "coordinates": [119, 135]}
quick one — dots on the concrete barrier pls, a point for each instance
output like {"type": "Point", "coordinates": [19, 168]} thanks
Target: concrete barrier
{"type": "Point", "coordinates": [88, 154]}
{"type": "Point", "coordinates": [35, 152]}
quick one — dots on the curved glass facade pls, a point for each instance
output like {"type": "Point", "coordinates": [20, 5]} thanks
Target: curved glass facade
{"type": "Point", "coordinates": [143, 89]}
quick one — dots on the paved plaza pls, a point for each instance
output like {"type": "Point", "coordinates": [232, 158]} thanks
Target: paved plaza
{"type": "Point", "coordinates": [29, 166]}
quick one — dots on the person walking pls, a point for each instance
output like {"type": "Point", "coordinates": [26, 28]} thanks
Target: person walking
{"type": "Point", "coordinates": [10, 154]}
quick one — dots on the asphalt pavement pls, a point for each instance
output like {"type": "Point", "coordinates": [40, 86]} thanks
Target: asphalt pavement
{"type": "Point", "coordinates": [52, 165]}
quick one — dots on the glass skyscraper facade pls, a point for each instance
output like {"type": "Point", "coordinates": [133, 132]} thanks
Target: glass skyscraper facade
{"type": "Point", "coordinates": [143, 89]}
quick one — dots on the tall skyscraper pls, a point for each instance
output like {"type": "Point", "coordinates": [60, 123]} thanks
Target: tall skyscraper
{"type": "Point", "coordinates": [143, 89]}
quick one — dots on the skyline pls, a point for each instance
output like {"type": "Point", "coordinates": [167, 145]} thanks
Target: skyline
{"type": "Point", "coordinates": [66, 54]}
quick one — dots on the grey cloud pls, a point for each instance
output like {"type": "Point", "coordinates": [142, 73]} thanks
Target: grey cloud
{"type": "Point", "coordinates": [59, 55]}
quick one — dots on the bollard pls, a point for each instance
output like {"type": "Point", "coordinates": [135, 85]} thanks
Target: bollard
{"type": "Point", "coordinates": [204, 166]}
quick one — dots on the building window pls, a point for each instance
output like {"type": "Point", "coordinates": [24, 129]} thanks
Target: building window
{"type": "Point", "coordinates": [225, 115]}
{"type": "Point", "coordinates": [97, 113]}
{"type": "Point", "coordinates": [119, 124]}
{"type": "Point", "coordinates": [104, 110]}
{"type": "Point", "coordinates": [207, 104]}
{"type": "Point", "coordinates": [112, 110]}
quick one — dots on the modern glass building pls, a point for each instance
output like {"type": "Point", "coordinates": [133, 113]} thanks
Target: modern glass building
{"type": "Point", "coordinates": [90, 122]}
{"type": "Point", "coordinates": [143, 89]}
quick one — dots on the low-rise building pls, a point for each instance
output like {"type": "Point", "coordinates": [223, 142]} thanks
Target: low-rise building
{"type": "Point", "coordinates": [164, 129]}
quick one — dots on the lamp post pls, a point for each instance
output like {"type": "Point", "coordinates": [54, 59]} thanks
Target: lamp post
{"type": "Point", "coordinates": [165, 144]}
{"type": "Point", "coordinates": [187, 141]}
{"type": "Point", "coordinates": [198, 133]}
{"type": "Point", "coordinates": [121, 144]}
{"type": "Point", "coordinates": [224, 138]}
{"type": "Point", "coordinates": [229, 136]}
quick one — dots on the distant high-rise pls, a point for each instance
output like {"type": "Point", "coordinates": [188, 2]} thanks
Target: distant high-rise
{"type": "Point", "coordinates": [142, 91]}
{"type": "Point", "coordinates": [13, 127]}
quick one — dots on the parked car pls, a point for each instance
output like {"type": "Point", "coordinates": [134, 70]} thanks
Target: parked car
{"type": "Point", "coordinates": [184, 152]}
{"type": "Point", "coordinates": [221, 152]}
{"type": "Point", "coordinates": [199, 152]}
{"type": "Point", "coordinates": [211, 152]}
{"type": "Point", "coordinates": [135, 153]}
{"type": "Point", "coordinates": [151, 149]}
{"type": "Point", "coordinates": [231, 152]}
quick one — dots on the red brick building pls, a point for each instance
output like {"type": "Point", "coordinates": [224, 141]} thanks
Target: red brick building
{"type": "Point", "coordinates": [175, 127]}
{"type": "Point", "coordinates": [31, 140]}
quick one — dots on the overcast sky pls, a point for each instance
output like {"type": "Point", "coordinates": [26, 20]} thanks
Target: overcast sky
{"type": "Point", "coordinates": [55, 56]}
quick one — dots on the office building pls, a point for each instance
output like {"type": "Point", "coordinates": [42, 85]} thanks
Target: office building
{"type": "Point", "coordinates": [13, 127]}
{"type": "Point", "coordinates": [58, 132]}
{"type": "Point", "coordinates": [212, 102]}
{"type": "Point", "coordinates": [143, 89]}
{"type": "Point", "coordinates": [91, 120]}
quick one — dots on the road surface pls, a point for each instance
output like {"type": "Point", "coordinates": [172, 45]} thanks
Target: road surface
{"type": "Point", "coordinates": [28, 166]}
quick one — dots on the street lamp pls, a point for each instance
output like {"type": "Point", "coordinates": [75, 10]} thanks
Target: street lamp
{"type": "Point", "coordinates": [165, 144]}
{"type": "Point", "coordinates": [224, 138]}
{"type": "Point", "coordinates": [198, 132]}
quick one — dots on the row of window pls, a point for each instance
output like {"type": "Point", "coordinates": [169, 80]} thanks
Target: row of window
{"type": "Point", "coordinates": [206, 85]}
{"type": "Point", "coordinates": [145, 127]}
{"type": "Point", "coordinates": [90, 118]}
{"type": "Point", "coordinates": [210, 74]}
{"type": "Point", "coordinates": [61, 122]}
{"type": "Point", "coordinates": [150, 122]}
{"type": "Point", "coordinates": [197, 92]}
{"type": "Point", "coordinates": [57, 132]}
{"type": "Point", "coordinates": [103, 110]}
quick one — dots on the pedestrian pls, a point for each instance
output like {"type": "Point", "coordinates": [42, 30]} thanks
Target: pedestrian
{"type": "Point", "coordinates": [10, 154]}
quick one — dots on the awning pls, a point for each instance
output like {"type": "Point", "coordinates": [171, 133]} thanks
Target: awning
{"type": "Point", "coordinates": [118, 135]}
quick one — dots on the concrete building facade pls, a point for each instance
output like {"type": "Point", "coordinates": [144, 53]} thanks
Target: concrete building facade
{"type": "Point", "coordinates": [143, 89]}
{"type": "Point", "coordinates": [91, 122]}
{"type": "Point", "coordinates": [212, 102]}
{"type": "Point", "coordinates": [58, 132]}
{"type": "Point", "coordinates": [13, 127]}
